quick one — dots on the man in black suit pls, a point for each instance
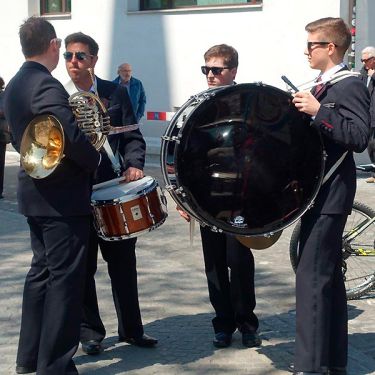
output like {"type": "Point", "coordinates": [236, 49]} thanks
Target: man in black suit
{"type": "Point", "coordinates": [368, 78]}
{"type": "Point", "coordinates": [57, 208]}
{"type": "Point", "coordinates": [232, 293]}
{"type": "Point", "coordinates": [82, 54]}
{"type": "Point", "coordinates": [340, 112]}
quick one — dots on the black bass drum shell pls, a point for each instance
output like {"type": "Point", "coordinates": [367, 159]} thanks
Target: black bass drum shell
{"type": "Point", "coordinates": [247, 161]}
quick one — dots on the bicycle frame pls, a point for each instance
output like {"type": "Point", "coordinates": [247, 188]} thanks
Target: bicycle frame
{"type": "Point", "coordinates": [355, 232]}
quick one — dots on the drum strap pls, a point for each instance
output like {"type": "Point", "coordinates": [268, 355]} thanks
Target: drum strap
{"type": "Point", "coordinates": [334, 167]}
{"type": "Point", "coordinates": [115, 161]}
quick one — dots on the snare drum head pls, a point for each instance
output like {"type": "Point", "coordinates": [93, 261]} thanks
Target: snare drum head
{"type": "Point", "coordinates": [248, 162]}
{"type": "Point", "coordinates": [123, 191]}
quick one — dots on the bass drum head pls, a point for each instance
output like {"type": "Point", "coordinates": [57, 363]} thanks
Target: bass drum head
{"type": "Point", "coordinates": [248, 162]}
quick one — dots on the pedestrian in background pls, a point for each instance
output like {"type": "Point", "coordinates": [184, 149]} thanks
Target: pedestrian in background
{"type": "Point", "coordinates": [368, 77]}
{"type": "Point", "coordinates": [135, 89]}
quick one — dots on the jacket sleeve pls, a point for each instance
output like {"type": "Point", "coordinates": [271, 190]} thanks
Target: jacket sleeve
{"type": "Point", "coordinates": [51, 98]}
{"type": "Point", "coordinates": [347, 120]}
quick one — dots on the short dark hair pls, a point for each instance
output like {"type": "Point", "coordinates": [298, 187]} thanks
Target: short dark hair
{"type": "Point", "coordinates": [2, 84]}
{"type": "Point", "coordinates": [36, 34]}
{"type": "Point", "coordinates": [228, 53]}
{"type": "Point", "coordinates": [335, 30]}
{"type": "Point", "coordinates": [84, 39]}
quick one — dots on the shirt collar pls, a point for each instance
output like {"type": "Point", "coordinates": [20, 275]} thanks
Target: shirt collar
{"type": "Point", "coordinates": [330, 72]}
{"type": "Point", "coordinates": [92, 88]}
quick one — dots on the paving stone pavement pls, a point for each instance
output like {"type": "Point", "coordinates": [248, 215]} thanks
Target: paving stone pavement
{"type": "Point", "coordinates": [174, 303]}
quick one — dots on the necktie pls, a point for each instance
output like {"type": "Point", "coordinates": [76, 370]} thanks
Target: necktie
{"type": "Point", "coordinates": [319, 87]}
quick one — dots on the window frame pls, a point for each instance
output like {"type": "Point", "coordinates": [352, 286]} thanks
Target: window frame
{"type": "Point", "coordinates": [64, 8]}
{"type": "Point", "coordinates": [197, 7]}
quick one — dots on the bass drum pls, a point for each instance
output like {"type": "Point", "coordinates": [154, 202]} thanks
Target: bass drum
{"type": "Point", "coordinates": [242, 160]}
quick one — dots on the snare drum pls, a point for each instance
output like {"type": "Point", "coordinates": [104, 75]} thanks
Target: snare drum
{"type": "Point", "coordinates": [124, 210]}
{"type": "Point", "coordinates": [242, 159]}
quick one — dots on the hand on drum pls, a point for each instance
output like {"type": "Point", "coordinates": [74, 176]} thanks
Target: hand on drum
{"type": "Point", "coordinates": [133, 174]}
{"type": "Point", "coordinates": [183, 214]}
{"type": "Point", "coordinates": [306, 102]}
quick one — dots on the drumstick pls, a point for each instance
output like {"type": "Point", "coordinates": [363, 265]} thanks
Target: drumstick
{"type": "Point", "coordinates": [290, 84]}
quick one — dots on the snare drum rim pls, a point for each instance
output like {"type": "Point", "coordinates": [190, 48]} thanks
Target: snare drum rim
{"type": "Point", "coordinates": [153, 184]}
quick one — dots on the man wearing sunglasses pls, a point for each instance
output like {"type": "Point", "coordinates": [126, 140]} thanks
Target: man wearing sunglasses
{"type": "Point", "coordinates": [368, 77]}
{"type": "Point", "coordinates": [82, 54]}
{"type": "Point", "coordinates": [57, 209]}
{"type": "Point", "coordinates": [340, 113]}
{"type": "Point", "coordinates": [232, 294]}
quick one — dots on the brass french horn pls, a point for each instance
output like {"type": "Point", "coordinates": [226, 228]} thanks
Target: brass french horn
{"type": "Point", "coordinates": [42, 146]}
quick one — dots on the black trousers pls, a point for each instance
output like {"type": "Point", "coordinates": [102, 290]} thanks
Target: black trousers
{"type": "Point", "coordinates": [232, 293]}
{"type": "Point", "coordinates": [371, 147]}
{"type": "Point", "coordinates": [122, 269]}
{"type": "Point", "coordinates": [321, 319]}
{"type": "Point", "coordinates": [53, 292]}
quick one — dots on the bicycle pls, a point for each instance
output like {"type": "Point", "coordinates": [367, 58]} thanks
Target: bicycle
{"type": "Point", "coordinates": [358, 246]}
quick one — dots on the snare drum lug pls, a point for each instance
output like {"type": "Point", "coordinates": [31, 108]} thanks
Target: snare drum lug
{"type": "Point", "coordinates": [163, 199]}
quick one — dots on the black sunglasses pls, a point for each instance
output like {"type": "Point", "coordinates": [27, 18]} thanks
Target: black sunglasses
{"type": "Point", "coordinates": [310, 44]}
{"type": "Point", "coordinates": [365, 60]}
{"type": "Point", "coordinates": [79, 56]}
{"type": "Point", "coordinates": [214, 69]}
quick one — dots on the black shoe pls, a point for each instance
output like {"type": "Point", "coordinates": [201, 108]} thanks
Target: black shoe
{"type": "Point", "coordinates": [309, 373]}
{"type": "Point", "coordinates": [337, 371]}
{"type": "Point", "coordinates": [291, 369]}
{"type": "Point", "coordinates": [222, 340]}
{"type": "Point", "coordinates": [25, 369]}
{"type": "Point", "coordinates": [143, 341]}
{"type": "Point", "coordinates": [251, 340]}
{"type": "Point", "coordinates": [91, 347]}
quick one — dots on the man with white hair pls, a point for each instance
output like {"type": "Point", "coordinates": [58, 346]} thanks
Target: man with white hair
{"type": "Point", "coordinates": [135, 89]}
{"type": "Point", "coordinates": [368, 77]}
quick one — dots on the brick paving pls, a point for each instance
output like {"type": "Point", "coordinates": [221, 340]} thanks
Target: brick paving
{"type": "Point", "coordinates": [174, 303]}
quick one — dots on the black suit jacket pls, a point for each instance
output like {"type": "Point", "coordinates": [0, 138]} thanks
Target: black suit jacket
{"type": "Point", "coordinates": [130, 145]}
{"type": "Point", "coordinates": [343, 121]}
{"type": "Point", "coordinates": [66, 192]}
{"type": "Point", "coordinates": [371, 88]}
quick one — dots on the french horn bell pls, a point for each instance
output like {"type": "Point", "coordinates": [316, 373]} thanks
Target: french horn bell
{"type": "Point", "coordinates": [42, 146]}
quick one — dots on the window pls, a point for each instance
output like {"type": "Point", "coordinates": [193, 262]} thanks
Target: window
{"type": "Point", "coordinates": [178, 4]}
{"type": "Point", "coordinates": [48, 7]}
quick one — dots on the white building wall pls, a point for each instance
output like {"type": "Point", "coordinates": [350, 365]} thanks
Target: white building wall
{"type": "Point", "coordinates": [166, 48]}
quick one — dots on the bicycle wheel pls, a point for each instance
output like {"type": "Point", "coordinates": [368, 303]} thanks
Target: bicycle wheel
{"type": "Point", "coordinates": [358, 253]}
